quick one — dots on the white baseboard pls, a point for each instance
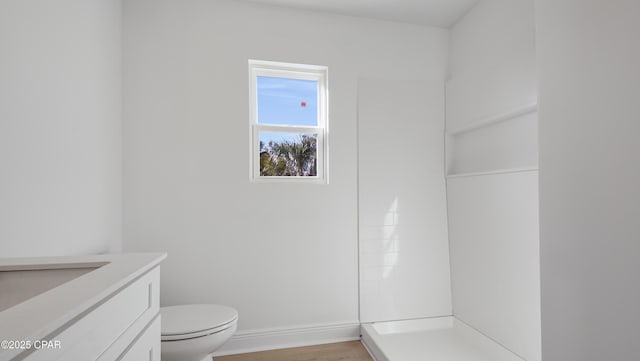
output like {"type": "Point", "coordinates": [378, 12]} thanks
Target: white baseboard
{"type": "Point", "coordinates": [278, 338]}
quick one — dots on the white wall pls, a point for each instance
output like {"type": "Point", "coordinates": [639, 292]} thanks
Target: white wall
{"type": "Point", "coordinates": [60, 127]}
{"type": "Point", "coordinates": [492, 46]}
{"type": "Point", "coordinates": [404, 248]}
{"type": "Point", "coordinates": [285, 255]}
{"type": "Point", "coordinates": [588, 56]}
{"type": "Point", "coordinates": [493, 223]}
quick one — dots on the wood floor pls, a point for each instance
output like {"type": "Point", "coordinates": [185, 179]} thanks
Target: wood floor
{"type": "Point", "coordinates": [343, 351]}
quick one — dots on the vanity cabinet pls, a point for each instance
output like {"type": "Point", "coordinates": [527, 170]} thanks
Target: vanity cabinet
{"type": "Point", "coordinates": [119, 321]}
{"type": "Point", "coordinates": [122, 325]}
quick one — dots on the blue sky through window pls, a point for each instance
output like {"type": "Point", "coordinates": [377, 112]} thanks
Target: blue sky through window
{"type": "Point", "coordinates": [284, 101]}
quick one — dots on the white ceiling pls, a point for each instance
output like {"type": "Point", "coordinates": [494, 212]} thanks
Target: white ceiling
{"type": "Point", "coordinates": [441, 13]}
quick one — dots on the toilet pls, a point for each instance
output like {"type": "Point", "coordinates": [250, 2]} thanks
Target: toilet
{"type": "Point", "coordinates": [193, 332]}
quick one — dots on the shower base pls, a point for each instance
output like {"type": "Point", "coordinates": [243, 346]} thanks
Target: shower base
{"type": "Point", "coordinates": [431, 339]}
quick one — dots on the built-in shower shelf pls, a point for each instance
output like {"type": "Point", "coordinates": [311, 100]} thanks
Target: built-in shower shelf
{"type": "Point", "coordinates": [494, 120]}
{"type": "Point", "coordinates": [492, 172]}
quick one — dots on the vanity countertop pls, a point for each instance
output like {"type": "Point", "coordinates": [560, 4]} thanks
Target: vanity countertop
{"type": "Point", "coordinates": [41, 316]}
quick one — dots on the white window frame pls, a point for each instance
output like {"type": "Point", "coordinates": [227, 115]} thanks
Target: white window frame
{"type": "Point", "coordinates": [290, 71]}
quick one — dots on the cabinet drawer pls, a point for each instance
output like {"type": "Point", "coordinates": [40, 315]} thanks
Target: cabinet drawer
{"type": "Point", "coordinates": [146, 346]}
{"type": "Point", "coordinates": [95, 331]}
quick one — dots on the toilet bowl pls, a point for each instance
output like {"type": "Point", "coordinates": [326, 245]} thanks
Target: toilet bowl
{"type": "Point", "coordinates": [193, 332]}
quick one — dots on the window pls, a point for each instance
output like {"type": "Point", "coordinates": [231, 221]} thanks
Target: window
{"type": "Point", "coordinates": [289, 113]}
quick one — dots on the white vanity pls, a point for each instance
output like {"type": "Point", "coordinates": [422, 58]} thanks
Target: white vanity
{"type": "Point", "coordinates": [102, 307]}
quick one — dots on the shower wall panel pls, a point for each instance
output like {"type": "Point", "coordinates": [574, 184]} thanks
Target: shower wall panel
{"type": "Point", "coordinates": [404, 252]}
{"type": "Point", "coordinates": [495, 257]}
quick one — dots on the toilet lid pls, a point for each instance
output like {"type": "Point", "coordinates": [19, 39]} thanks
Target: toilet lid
{"type": "Point", "coordinates": [188, 319]}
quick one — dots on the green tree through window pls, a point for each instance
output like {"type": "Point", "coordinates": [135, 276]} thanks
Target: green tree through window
{"type": "Point", "coordinates": [295, 157]}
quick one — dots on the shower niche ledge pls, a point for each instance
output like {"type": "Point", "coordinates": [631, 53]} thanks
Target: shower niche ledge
{"type": "Point", "coordinates": [504, 143]}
